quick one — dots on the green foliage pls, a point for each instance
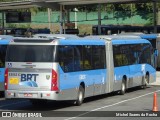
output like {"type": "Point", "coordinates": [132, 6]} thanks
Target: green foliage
{"type": "Point", "coordinates": [13, 25]}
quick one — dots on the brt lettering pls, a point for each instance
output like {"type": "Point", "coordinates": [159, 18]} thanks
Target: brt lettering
{"type": "Point", "coordinates": [28, 77]}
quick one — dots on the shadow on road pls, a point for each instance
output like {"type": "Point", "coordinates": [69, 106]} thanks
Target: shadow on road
{"type": "Point", "coordinates": [23, 104]}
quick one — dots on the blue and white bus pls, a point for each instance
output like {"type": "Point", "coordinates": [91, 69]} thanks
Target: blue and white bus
{"type": "Point", "coordinates": [76, 68]}
{"type": "Point", "coordinates": [4, 41]}
{"type": "Point", "coordinates": [155, 41]}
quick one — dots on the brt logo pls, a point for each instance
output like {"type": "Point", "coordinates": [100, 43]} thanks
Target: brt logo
{"type": "Point", "coordinates": [28, 77]}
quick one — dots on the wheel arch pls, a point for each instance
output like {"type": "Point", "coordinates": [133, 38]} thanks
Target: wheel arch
{"type": "Point", "coordinates": [82, 84]}
{"type": "Point", "coordinates": [125, 80]}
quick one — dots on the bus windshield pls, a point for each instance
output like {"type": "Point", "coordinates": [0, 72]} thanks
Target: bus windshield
{"type": "Point", "coordinates": [30, 53]}
{"type": "Point", "coordinates": [2, 55]}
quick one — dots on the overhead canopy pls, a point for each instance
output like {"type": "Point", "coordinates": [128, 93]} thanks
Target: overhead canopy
{"type": "Point", "coordinates": [16, 5]}
{"type": "Point", "coordinates": [55, 3]}
{"type": "Point", "coordinates": [75, 2]}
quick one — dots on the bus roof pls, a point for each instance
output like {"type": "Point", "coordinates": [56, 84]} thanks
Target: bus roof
{"type": "Point", "coordinates": [5, 41]}
{"type": "Point", "coordinates": [51, 36]}
{"type": "Point", "coordinates": [121, 39]}
{"type": "Point", "coordinates": [61, 41]}
{"type": "Point", "coordinates": [6, 37]}
{"type": "Point", "coordinates": [138, 41]}
{"type": "Point", "coordinates": [149, 36]}
{"type": "Point", "coordinates": [142, 35]}
{"type": "Point", "coordinates": [96, 40]}
{"type": "Point", "coordinates": [112, 37]}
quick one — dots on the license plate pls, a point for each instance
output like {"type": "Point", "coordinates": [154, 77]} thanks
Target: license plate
{"type": "Point", "coordinates": [27, 95]}
{"type": "Point", "coordinates": [13, 80]}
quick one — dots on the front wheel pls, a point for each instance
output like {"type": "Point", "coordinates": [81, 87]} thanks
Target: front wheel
{"type": "Point", "coordinates": [80, 98]}
{"type": "Point", "coordinates": [146, 81]}
{"type": "Point", "coordinates": [123, 87]}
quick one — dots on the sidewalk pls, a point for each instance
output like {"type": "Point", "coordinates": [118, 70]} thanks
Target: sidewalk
{"type": "Point", "coordinates": [157, 79]}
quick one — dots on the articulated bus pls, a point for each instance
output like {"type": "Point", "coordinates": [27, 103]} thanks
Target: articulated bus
{"type": "Point", "coordinates": [4, 41]}
{"type": "Point", "coordinates": [117, 29]}
{"type": "Point", "coordinates": [154, 39]}
{"type": "Point", "coordinates": [75, 68]}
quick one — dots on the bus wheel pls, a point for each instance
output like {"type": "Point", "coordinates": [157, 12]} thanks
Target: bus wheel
{"type": "Point", "coordinates": [123, 87]}
{"type": "Point", "coordinates": [146, 81]}
{"type": "Point", "coordinates": [80, 98]}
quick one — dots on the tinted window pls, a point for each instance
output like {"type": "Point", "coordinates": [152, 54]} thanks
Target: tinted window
{"type": "Point", "coordinates": [87, 57]}
{"type": "Point", "coordinates": [131, 54]}
{"type": "Point", "coordinates": [98, 57]}
{"type": "Point", "coordinates": [30, 53]}
{"type": "Point", "coordinates": [2, 55]}
{"type": "Point", "coordinates": [121, 54]}
{"type": "Point", "coordinates": [80, 58]}
{"type": "Point", "coordinates": [145, 56]}
{"type": "Point", "coordinates": [66, 58]}
{"type": "Point", "coordinates": [153, 42]}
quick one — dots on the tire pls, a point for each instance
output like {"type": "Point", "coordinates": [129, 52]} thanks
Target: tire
{"type": "Point", "coordinates": [80, 97]}
{"type": "Point", "coordinates": [123, 87]}
{"type": "Point", "coordinates": [146, 81]}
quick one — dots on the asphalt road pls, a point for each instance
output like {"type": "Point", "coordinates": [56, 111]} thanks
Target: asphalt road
{"type": "Point", "coordinates": [134, 100]}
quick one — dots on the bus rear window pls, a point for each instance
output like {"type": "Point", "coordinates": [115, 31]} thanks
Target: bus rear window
{"type": "Point", "coordinates": [30, 53]}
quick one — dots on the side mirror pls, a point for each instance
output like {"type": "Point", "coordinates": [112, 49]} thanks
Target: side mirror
{"type": "Point", "coordinates": [156, 52]}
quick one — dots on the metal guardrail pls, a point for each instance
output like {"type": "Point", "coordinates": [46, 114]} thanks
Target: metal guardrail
{"type": "Point", "coordinates": [38, 0]}
{"type": "Point", "coordinates": [16, 4]}
{"type": "Point", "coordinates": [6, 1]}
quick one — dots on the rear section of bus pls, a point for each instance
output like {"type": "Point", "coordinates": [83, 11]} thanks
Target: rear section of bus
{"type": "Point", "coordinates": [31, 69]}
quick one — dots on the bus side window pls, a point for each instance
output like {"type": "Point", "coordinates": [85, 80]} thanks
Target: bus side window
{"type": "Point", "coordinates": [77, 58]}
{"type": "Point", "coordinates": [66, 58]}
{"type": "Point", "coordinates": [146, 55]}
{"type": "Point", "coordinates": [134, 54]}
{"type": "Point", "coordinates": [98, 57]}
{"type": "Point", "coordinates": [121, 55]}
{"type": "Point", "coordinates": [60, 56]}
{"type": "Point", "coordinates": [70, 58]}
{"type": "Point", "coordinates": [87, 63]}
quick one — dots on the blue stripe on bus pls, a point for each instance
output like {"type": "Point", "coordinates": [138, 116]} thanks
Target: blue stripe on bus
{"type": "Point", "coordinates": [81, 42]}
{"type": "Point", "coordinates": [2, 74]}
{"type": "Point", "coordinates": [133, 71]}
{"type": "Point", "coordinates": [149, 36]}
{"type": "Point", "coordinates": [135, 41]}
{"type": "Point", "coordinates": [91, 77]}
{"type": "Point", "coordinates": [4, 42]}
{"type": "Point", "coordinates": [100, 42]}
{"type": "Point", "coordinates": [72, 79]}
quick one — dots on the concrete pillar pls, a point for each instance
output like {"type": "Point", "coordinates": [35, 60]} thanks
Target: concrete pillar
{"type": "Point", "coordinates": [61, 19]}
{"type": "Point", "coordinates": [155, 15]}
{"type": "Point", "coordinates": [3, 21]}
{"type": "Point", "coordinates": [158, 17]}
{"type": "Point", "coordinates": [49, 18]}
{"type": "Point", "coordinates": [99, 19]}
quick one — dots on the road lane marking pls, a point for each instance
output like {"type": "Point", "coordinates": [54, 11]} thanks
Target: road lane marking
{"type": "Point", "coordinates": [13, 103]}
{"type": "Point", "coordinates": [110, 105]}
